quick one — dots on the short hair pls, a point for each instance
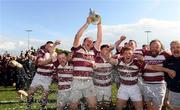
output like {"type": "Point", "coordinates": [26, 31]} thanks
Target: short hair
{"type": "Point", "coordinates": [49, 42]}
{"type": "Point", "coordinates": [125, 43]}
{"type": "Point", "coordinates": [144, 45]}
{"type": "Point", "coordinates": [63, 52]}
{"type": "Point", "coordinates": [156, 40]}
{"type": "Point", "coordinates": [134, 42]}
{"type": "Point", "coordinates": [104, 46]}
{"type": "Point", "coordinates": [127, 49]}
{"type": "Point", "coordinates": [87, 38]}
{"type": "Point", "coordinates": [175, 41]}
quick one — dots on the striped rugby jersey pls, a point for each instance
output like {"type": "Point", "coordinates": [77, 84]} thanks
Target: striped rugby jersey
{"type": "Point", "coordinates": [129, 72]}
{"type": "Point", "coordinates": [64, 75]}
{"type": "Point", "coordinates": [150, 76]}
{"type": "Point", "coordinates": [83, 61]}
{"type": "Point", "coordinates": [102, 72]}
{"type": "Point", "coordinates": [45, 70]}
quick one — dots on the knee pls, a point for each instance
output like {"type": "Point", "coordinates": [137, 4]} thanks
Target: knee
{"type": "Point", "coordinates": [92, 105]}
{"type": "Point", "coordinates": [73, 106]}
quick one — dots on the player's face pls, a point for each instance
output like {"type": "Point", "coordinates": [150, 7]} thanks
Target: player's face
{"type": "Point", "coordinates": [49, 47]}
{"type": "Point", "coordinates": [175, 49]}
{"type": "Point", "coordinates": [88, 43]}
{"type": "Point", "coordinates": [62, 58]}
{"type": "Point", "coordinates": [145, 47]}
{"type": "Point", "coordinates": [128, 55]}
{"type": "Point", "coordinates": [132, 45]}
{"type": "Point", "coordinates": [105, 50]}
{"type": "Point", "coordinates": [155, 48]}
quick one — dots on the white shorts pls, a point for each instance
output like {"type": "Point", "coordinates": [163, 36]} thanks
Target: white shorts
{"type": "Point", "coordinates": [82, 88]}
{"type": "Point", "coordinates": [103, 93]}
{"type": "Point", "coordinates": [40, 80]}
{"type": "Point", "coordinates": [63, 97]}
{"type": "Point", "coordinates": [174, 99]}
{"type": "Point", "coordinates": [155, 93]}
{"type": "Point", "coordinates": [140, 84]}
{"type": "Point", "coordinates": [129, 91]}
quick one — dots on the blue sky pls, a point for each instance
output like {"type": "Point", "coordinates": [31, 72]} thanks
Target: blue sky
{"type": "Point", "coordinates": [61, 19]}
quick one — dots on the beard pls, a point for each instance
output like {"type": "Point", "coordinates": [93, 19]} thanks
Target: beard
{"type": "Point", "coordinates": [154, 53]}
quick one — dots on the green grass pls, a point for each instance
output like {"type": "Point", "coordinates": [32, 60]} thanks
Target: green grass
{"type": "Point", "coordinates": [9, 94]}
{"type": "Point", "coordinates": [9, 99]}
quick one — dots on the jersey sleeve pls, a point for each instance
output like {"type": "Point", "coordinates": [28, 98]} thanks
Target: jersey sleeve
{"type": "Point", "coordinates": [140, 64]}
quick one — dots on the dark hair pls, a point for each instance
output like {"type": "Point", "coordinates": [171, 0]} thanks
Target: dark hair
{"type": "Point", "coordinates": [134, 42]}
{"type": "Point", "coordinates": [49, 42]}
{"type": "Point", "coordinates": [156, 40]}
{"type": "Point", "coordinates": [104, 46]}
{"type": "Point", "coordinates": [42, 47]}
{"type": "Point", "coordinates": [144, 45]}
{"type": "Point", "coordinates": [85, 39]}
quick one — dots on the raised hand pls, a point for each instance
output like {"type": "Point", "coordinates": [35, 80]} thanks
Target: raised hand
{"type": "Point", "coordinates": [57, 42]}
{"type": "Point", "coordinates": [89, 20]}
{"type": "Point", "coordinates": [122, 38]}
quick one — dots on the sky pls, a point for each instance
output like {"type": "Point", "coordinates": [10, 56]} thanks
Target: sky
{"type": "Point", "coordinates": [61, 19]}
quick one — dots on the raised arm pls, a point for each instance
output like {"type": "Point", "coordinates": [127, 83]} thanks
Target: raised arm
{"type": "Point", "coordinates": [43, 61]}
{"type": "Point", "coordinates": [117, 43]}
{"type": "Point", "coordinates": [170, 72]}
{"type": "Point", "coordinates": [56, 43]}
{"type": "Point", "coordinates": [76, 42]}
{"type": "Point", "coordinates": [52, 58]}
{"type": "Point", "coordinates": [99, 36]}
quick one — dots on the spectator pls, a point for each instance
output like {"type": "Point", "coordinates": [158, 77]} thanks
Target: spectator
{"type": "Point", "coordinates": [21, 76]}
{"type": "Point", "coordinates": [173, 84]}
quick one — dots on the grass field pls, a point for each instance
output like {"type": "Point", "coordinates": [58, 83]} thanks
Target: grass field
{"type": "Point", "coordinates": [9, 100]}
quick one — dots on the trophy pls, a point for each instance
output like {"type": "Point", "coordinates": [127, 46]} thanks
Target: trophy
{"type": "Point", "coordinates": [94, 16]}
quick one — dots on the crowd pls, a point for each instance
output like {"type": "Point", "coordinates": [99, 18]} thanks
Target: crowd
{"type": "Point", "coordinates": [17, 70]}
{"type": "Point", "coordinates": [148, 75]}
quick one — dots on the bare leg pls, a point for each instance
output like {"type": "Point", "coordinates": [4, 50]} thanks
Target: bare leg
{"type": "Point", "coordinates": [149, 105]}
{"type": "Point", "coordinates": [120, 104]}
{"type": "Point", "coordinates": [92, 102]}
{"type": "Point", "coordinates": [138, 105]}
{"type": "Point", "coordinates": [73, 106]}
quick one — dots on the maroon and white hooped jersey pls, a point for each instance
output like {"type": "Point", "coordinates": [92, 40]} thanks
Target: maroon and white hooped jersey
{"type": "Point", "coordinates": [138, 52]}
{"type": "Point", "coordinates": [102, 72]}
{"type": "Point", "coordinates": [45, 70]}
{"type": "Point", "coordinates": [83, 61]}
{"type": "Point", "coordinates": [129, 72]}
{"type": "Point", "coordinates": [64, 75]}
{"type": "Point", "coordinates": [150, 76]}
